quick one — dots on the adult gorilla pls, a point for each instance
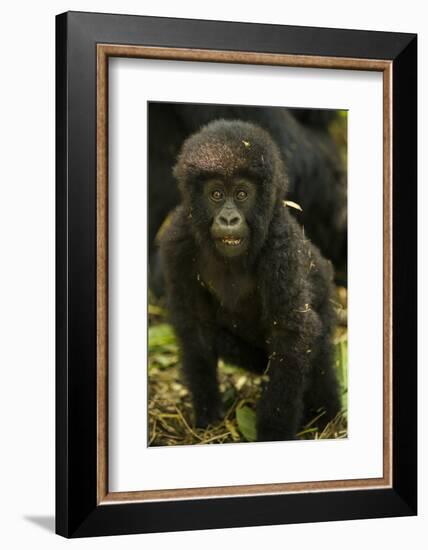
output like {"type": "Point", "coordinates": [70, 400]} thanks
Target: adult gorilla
{"type": "Point", "coordinates": [245, 284]}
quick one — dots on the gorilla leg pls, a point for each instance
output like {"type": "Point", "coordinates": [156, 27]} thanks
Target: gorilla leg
{"type": "Point", "coordinates": [322, 391]}
{"type": "Point", "coordinates": [199, 362]}
{"type": "Point", "coordinates": [280, 409]}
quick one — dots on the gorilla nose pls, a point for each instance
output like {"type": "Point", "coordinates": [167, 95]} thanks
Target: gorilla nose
{"type": "Point", "coordinates": [229, 219]}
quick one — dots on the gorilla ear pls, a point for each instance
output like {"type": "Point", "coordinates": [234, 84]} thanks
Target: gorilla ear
{"type": "Point", "coordinates": [179, 172]}
{"type": "Point", "coordinates": [182, 168]}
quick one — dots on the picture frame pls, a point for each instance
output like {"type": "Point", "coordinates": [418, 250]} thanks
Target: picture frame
{"type": "Point", "coordinates": [84, 44]}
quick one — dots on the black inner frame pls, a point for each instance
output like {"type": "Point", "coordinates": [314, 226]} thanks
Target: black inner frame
{"type": "Point", "coordinates": [77, 513]}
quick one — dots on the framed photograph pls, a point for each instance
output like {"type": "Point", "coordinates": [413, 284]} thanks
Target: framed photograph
{"type": "Point", "coordinates": [236, 274]}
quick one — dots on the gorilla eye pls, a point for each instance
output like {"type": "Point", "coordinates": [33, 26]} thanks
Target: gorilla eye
{"type": "Point", "coordinates": [241, 195]}
{"type": "Point", "coordinates": [217, 195]}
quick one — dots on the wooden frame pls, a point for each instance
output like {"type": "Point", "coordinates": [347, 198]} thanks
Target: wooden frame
{"type": "Point", "coordinates": [84, 44]}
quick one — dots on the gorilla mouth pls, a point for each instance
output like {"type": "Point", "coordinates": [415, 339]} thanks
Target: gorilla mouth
{"type": "Point", "coordinates": [231, 241]}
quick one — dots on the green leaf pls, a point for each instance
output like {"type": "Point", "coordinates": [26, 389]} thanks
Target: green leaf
{"type": "Point", "coordinates": [164, 360]}
{"type": "Point", "coordinates": [161, 336]}
{"type": "Point", "coordinates": [155, 310]}
{"type": "Point", "coordinates": [232, 369]}
{"type": "Point", "coordinates": [344, 362]}
{"type": "Point", "coordinates": [246, 419]}
{"type": "Point", "coordinates": [229, 397]}
{"type": "Point", "coordinates": [342, 370]}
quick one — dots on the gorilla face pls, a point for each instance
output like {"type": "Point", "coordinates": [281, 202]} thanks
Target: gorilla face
{"type": "Point", "coordinates": [228, 203]}
{"type": "Point", "coordinates": [230, 176]}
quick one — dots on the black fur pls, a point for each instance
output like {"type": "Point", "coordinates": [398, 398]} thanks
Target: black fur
{"type": "Point", "coordinates": [316, 173]}
{"type": "Point", "coordinates": [268, 311]}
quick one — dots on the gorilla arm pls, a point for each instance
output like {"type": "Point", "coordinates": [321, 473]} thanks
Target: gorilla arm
{"type": "Point", "coordinates": [292, 327]}
{"type": "Point", "coordinates": [190, 311]}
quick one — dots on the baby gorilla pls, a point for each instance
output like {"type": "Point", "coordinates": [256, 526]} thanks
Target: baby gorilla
{"type": "Point", "coordinates": [244, 284]}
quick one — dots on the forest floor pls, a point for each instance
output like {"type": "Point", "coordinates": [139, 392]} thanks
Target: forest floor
{"type": "Point", "coordinates": [170, 409]}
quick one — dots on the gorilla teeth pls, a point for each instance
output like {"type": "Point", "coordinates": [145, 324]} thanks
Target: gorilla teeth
{"type": "Point", "coordinates": [230, 241]}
